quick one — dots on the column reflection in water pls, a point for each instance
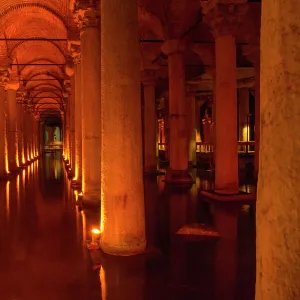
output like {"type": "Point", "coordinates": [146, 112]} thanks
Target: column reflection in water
{"type": "Point", "coordinates": [178, 203]}
{"type": "Point", "coordinates": [7, 199]}
{"type": "Point", "coordinates": [151, 211]}
{"type": "Point", "coordinates": [122, 277]}
{"type": "Point", "coordinates": [226, 223]}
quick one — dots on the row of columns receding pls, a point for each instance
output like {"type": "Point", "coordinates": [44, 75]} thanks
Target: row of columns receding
{"type": "Point", "coordinates": [20, 134]}
{"type": "Point", "coordinates": [103, 123]}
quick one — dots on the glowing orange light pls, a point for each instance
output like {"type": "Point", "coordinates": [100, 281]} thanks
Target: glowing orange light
{"type": "Point", "coordinates": [96, 231]}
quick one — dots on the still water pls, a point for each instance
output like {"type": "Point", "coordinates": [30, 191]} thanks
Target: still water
{"type": "Point", "coordinates": [196, 250]}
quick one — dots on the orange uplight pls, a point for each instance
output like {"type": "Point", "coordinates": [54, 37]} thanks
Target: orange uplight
{"type": "Point", "coordinates": [96, 231]}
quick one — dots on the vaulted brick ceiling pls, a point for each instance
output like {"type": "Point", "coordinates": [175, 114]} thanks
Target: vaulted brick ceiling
{"type": "Point", "coordinates": [24, 20]}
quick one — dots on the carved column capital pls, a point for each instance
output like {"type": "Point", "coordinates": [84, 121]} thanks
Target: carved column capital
{"type": "Point", "coordinates": [4, 77]}
{"type": "Point", "coordinates": [173, 46]}
{"type": "Point", "coordinates": [75, 52]}
{"type": "Point", "coordinates": [224, 16]}
{"type": "Point", "coordinates": [252, 53]}
{"type": "Point", "coordinates": [85, 14]}
{"type": "Point", "coordinates": [148, 77]}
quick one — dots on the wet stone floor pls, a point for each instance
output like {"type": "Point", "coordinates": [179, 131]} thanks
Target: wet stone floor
{"type": "Point", "coordinates": [196, 250]}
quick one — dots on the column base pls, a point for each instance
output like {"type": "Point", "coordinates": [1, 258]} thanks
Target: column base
{"type": "Point", "coordinates": [153, 172]}
{"type": "Point", "coordinates": [221, 196]}
{"type": "Point", "coordinates": [181, 177]}
{"type": "Point", "coordinates": [76, 184]}
{"type": "Point", "coordinates": [70, 173]}
{"type": "Point", "coordinates": [89, 202]}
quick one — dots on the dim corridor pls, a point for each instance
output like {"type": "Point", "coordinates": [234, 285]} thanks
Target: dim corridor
{"type": "Point", "coordinates": [43, 236]}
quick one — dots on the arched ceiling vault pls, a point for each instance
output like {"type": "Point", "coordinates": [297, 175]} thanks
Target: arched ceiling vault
{"type": "Point", "coordinates": [40, 63]}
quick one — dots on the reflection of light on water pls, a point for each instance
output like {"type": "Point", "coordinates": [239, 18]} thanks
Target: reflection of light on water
{"type": "Point", "coordinates": [103, 284]}
{"type": "Point", "coordinates": [246, 208]}
{"type": "Point", "coordinates": [7, 198]}
{"type": "Point", "coordinates": [23, 177]}
{"type": "Point", "coordinates": [18, 191]}
{"type": "Point", "coordinates": [83, 226]}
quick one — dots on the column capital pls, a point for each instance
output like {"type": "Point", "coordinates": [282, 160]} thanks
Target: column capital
{"type": "Point", "coordinates": [4, 77]}
{"type": "Point", "coordinates": [67, 88]}
{"type": "Point", "coordinates": [191, 90]}
{"type": "Point", "coordinates": [12, 85]}
{"type": "Point", "coordinates": [85, 14]}
{"type": "Point", "coordinates": [224, 16]}
{"type": "Point", "coordinates": [252, 53]}
{"type": "Point", "coordinates": [75, 51]}
{"type": "Point", "coordinates": [173, 46]}
{"type": "Point", "coordinates": [148, 77]}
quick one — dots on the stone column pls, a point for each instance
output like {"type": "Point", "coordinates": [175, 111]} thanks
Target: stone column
{"type": "Point", "coordinates": [91, 108]}
{"type": "Point", "coordinates": [178, 171]}
{"type": "Point", "coordinates": [223, 19]}
{"type": "Point", "coordinates": [122, 201]}
{"type": "Point", "coordinates": [191, 126]}
{"type": "Point", "coordinates": [20, 121]}
{"type": "Point", "coordinates": [278, 206]}
{"type": "Point", "coordinates": [11, 123]}
{"type": "Point", "coordinates": [244, 110]}
{"type": "Point", "coordinates": [3, 77]}
{"type": "Point", "coordinates": [78, 119]}
{"type": "Point", "coordinates": [25, 135]}
{"type": "Point", "coordinates": [150, 160]}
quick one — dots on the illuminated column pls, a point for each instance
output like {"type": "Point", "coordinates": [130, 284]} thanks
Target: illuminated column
{"type": "Point", "coordinates": [71, 100]}
{"type": "Point", "coordinates": [12, 133]}
{"type": "Point", "coordinates": [20, 113]}
{"type": "Point", "coordinates": [2, 126]}
{"type": "Point", "coordinates": [91, 112]}
{"type": "Point", "coordinates": [178, 171]}
{"type": "Point", "coordinates": [278, 207]}
{"type": "Point", "coordinates": [78, 114]}
{"type": "Point", "coordinates": [150, 160]}
{"type": "Point", "coordinates": [243, 114]}
{"type": "Point", "coordinates": [122, 200]}
{"type": "Point", "coordinates": [226, 142]}
{"type": "Point", "coordinates": [191, 126]}
{"type": "Point", "coordinates": [25, 135]}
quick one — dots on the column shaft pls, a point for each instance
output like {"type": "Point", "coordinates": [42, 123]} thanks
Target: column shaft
{"type": "Point", "coordinates": [178, 171]}
{"type": "Point", "coordinates": [12, 137]}
{"type": "Point", "coordinates": [122, 201]}
{"type": "Point", "coordinates": [72, 126]}
{"type": "Point", "coordinates": [226, 144]}
{"type": "Point", "coordinates": [150, 161]}
{"type": "Point", "coordinates": [278, 206]}
{"type": "Point", "coordinates": [78, 124]}
{"type": "Point", "coordinates": [257, 118]}
{"type": "Point", "coordinates": [91, 113]}
{"type": "Point", "coordinates": [191, 128]}
{"type": "Point", "coordinates": [2, 133]}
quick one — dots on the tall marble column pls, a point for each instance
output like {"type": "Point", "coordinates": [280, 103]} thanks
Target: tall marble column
{"type": "Point", "coordinates": [91, 110]}
{"type": "Point", "coordinates": [2, 125]}
{"type": "Point", "coordinates": [78, 117]}
{"type": "Point", "coordinates": [191, 125]}
{"type": "Point", "coordinates": [122, 195]}
{"type": "Point", "coordinates": [150, 160]}
{"type": "Point", "coordinates": [178, 171]}
{"type": "Point", "coordinates": [20, 112]}
{"type": "Point", "coordinates": [244, 110]}
{"type": "Point", "coordinates": [278, 206]}
{"type": "Point", "coordinates": [11, 123]}
{"type": "Point", "coordinates": [226, 142]}
{"type": "Point", "coordinates": [25, 135]}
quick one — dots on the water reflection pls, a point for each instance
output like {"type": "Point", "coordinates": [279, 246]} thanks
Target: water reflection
{"type": "Point", "coordinates": [196, 249]}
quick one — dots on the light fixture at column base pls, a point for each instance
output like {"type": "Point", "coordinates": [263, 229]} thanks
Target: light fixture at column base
{"type": "Point", "coordinates": [179, 177]}
{"type": "Point", "coordinates": [217, 196]}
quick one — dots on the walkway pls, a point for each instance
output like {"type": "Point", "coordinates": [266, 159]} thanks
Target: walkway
{"type": "Point", "coordinates": [43, 256]}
